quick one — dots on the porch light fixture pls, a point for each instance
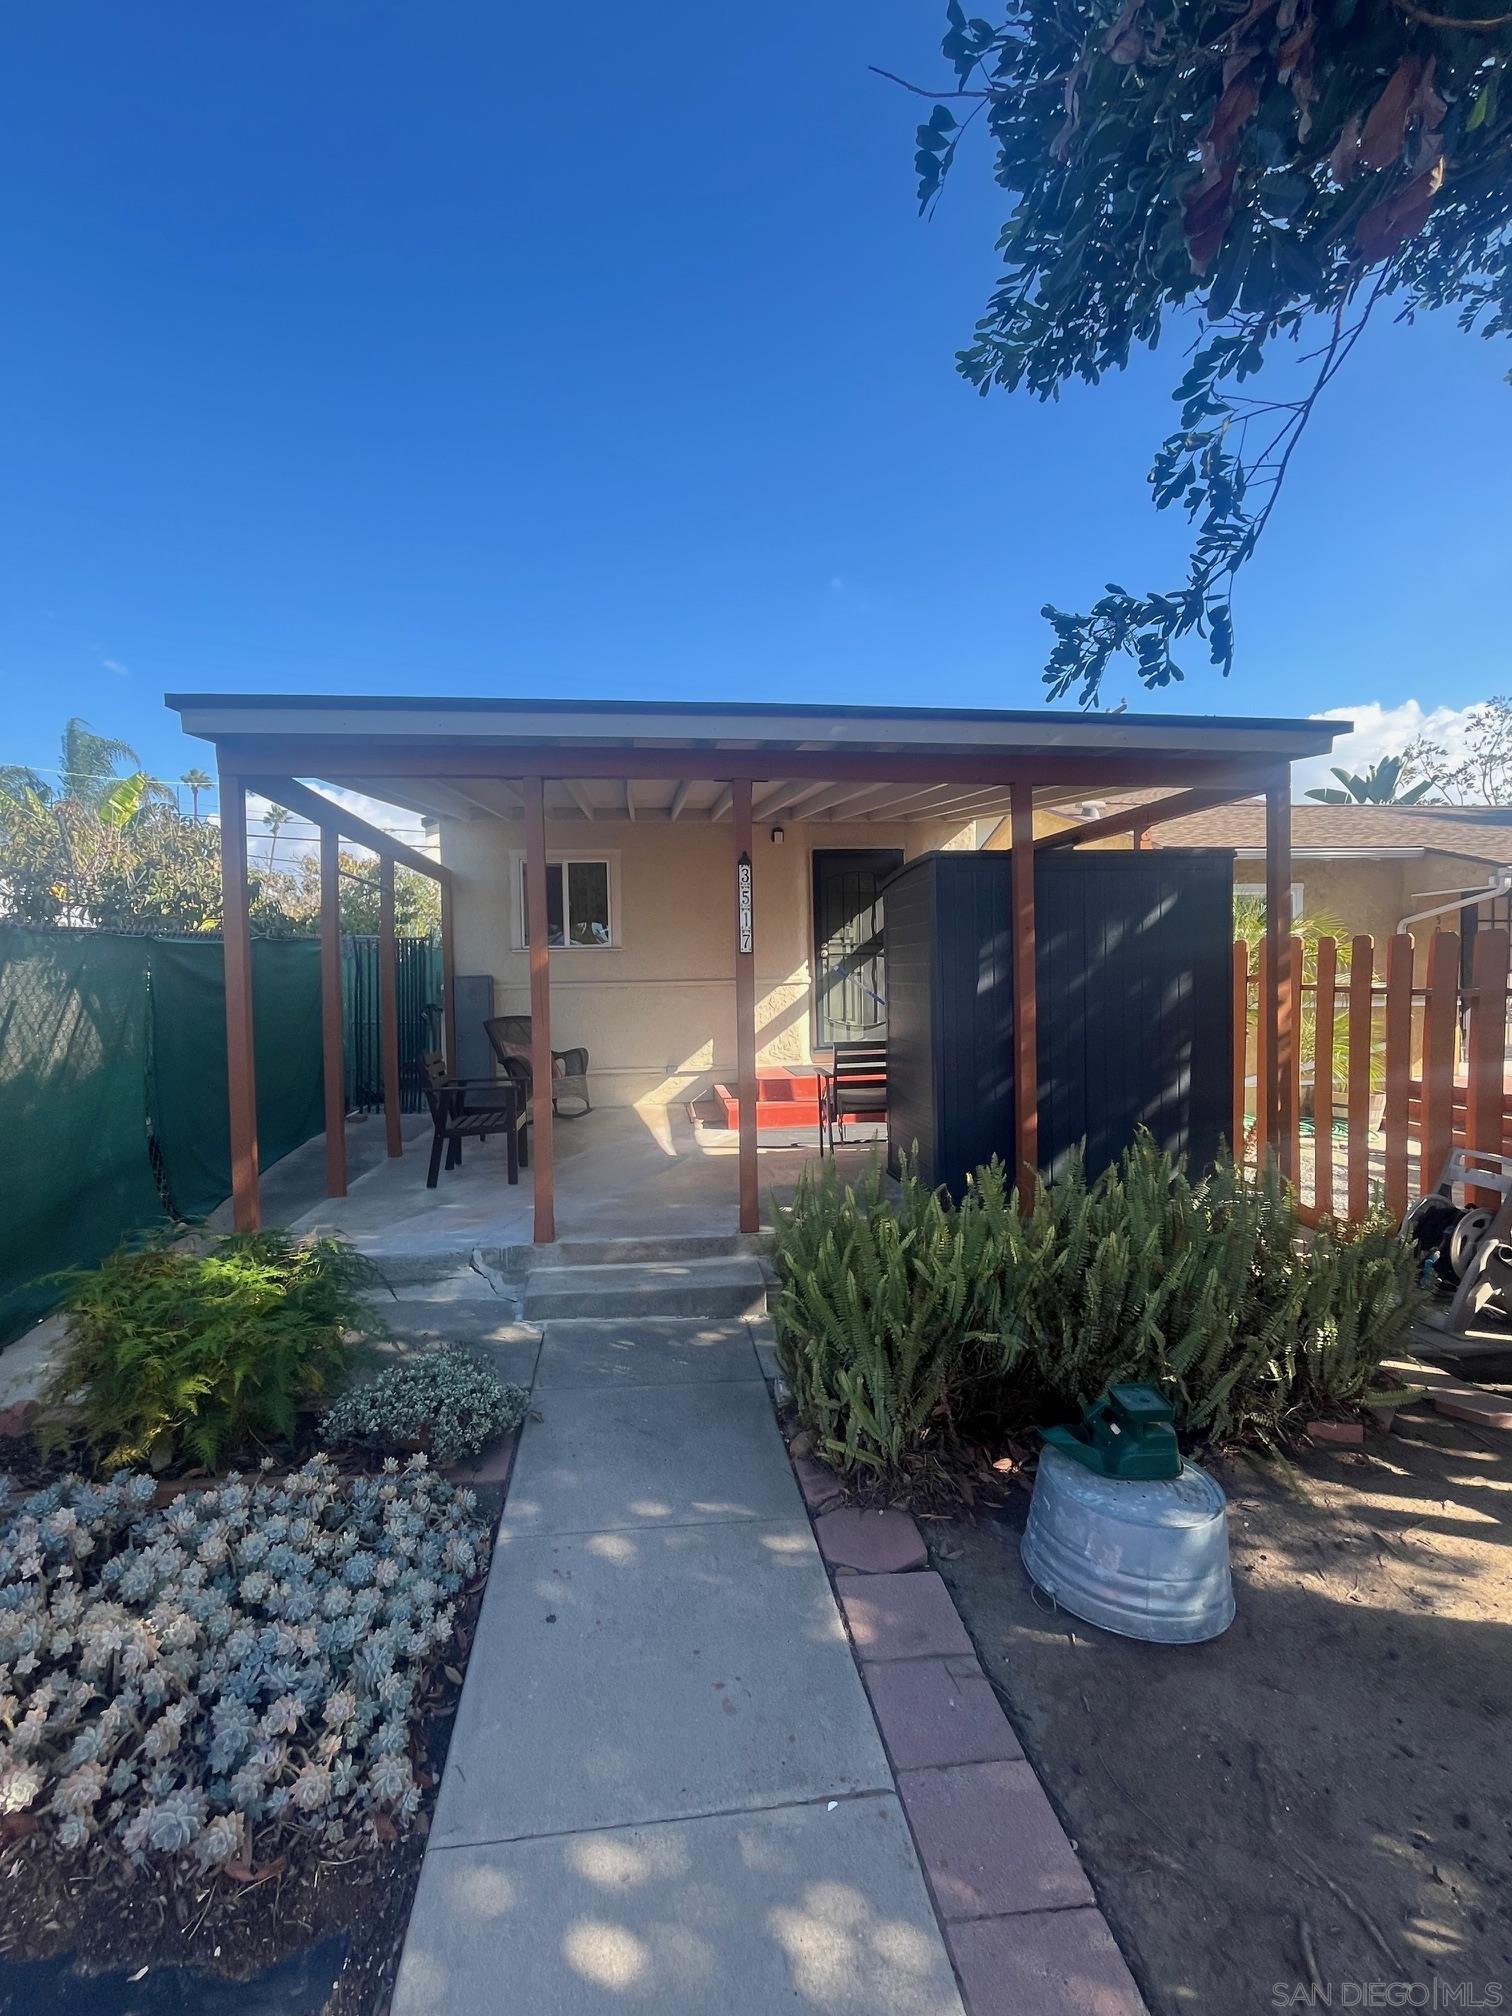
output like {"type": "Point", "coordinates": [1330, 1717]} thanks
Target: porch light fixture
{"type": "Point", "coordinates": [777, 836]}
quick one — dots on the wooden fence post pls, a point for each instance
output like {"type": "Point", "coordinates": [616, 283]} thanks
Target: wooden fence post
{"type": "Point", "coordinates": [1323, 1076]}
{"type": "Point", "coordinates": [1440, 1021]}
{"type": "Point", "coordinates": [1361, 1018]}
{"type": "Point", "coordinates": [1485, 1095]}
{"type": "Point", "coordinates": [1241, 1048]}
{"type": "Point", "coordinates": [1398, 1067]}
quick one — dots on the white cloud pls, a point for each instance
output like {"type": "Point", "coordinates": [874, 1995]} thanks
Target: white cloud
{"type": "Point", "coordinates": [114, 665]}
{"type": "Point", "coordinates": [1380, 731]}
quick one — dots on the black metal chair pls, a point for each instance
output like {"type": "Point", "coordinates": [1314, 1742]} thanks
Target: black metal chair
{"type": "Point", "coordinates": [852, 1087]}
{"type": "Point", "coordinates": [470, 1109]}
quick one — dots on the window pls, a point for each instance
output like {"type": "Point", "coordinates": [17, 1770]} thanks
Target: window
{"type": "Point", "coordinates": [577, 904]}
{"type": "Point", "coordinates": [1257, 891]}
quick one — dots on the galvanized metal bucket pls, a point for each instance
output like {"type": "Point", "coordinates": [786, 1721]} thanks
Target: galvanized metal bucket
{"type": "Point", "coordinates": [1147, 1560]}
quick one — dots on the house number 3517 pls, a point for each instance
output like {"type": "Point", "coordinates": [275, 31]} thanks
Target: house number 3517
{"type": "Point", "coordinates": [747, 932]}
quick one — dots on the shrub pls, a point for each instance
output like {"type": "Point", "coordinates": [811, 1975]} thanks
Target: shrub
{"type": "Point", "coordinates": [908, 1328]}
{"type": "Point", "coordinates": [1213, 1291]}
{"type": "Point", "coordinates": [894, 1314]}
{"type": "Point", "coordinates": [187, 1356]}
{"type": "Point", "coordinates": [238, 1672]}
{"type": "Point", "coordinates": [447, 1402]}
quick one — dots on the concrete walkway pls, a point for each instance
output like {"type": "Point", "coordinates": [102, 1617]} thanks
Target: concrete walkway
{"type": "Point", "coordinates": [665, 1791]}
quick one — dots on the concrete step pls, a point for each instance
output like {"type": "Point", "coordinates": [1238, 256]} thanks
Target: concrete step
{"type": "Point", "coordinates": [519, 1262]}
{"type": "Point", "coordinates": [734, 1286]}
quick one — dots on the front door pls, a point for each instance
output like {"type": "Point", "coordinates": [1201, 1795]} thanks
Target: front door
{"type": "Point", "coordinates": [850, 969]}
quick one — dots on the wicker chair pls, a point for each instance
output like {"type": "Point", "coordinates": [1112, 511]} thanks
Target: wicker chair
{"type": "Point", "coordinates": [510, 1037]}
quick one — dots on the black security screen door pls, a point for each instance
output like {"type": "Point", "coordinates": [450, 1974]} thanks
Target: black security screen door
{"type": "Point", "coordinates": [850, 970]}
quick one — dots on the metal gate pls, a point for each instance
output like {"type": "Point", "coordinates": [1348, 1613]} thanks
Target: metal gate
{"type": "Point", "coordinates": [419, 973]}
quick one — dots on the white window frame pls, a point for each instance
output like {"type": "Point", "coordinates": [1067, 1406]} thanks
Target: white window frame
{"type": "Point", "coordinates": [558, 860]}
{"type": "Point", "coordinates": [1257, 889]}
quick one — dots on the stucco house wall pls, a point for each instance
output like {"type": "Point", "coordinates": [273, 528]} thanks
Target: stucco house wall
{"type": "Point", "coordinates": [656, 1008]}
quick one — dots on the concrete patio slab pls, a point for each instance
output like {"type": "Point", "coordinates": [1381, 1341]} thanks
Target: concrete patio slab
{"type": "Point", "coordinates": [903, 1617]}
{"type": "Point", "coordinates": [802, 1910]}
{"type": "Point", "coordinates": [620, 1172]}
{"type": "Point", "coordinates": [991, 1842]}
{"type": "Point", "coordinates": [939, 1711]}
{"type": "Point", "coordinates": [624, 1677]}
{"type": "Point", "coordinates": [1055, 1963]}
{"type": "Point", "coordinates": [601, 1458]}
{"type": "Point", "coordinates": [656, 1351]}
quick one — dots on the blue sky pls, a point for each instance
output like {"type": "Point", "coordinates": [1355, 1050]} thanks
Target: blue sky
{"type": "Point", "coordinates": [463, 348]}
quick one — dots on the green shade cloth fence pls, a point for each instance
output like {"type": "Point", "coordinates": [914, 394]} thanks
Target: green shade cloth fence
{"type": "Point", "coordinates": [113, 1056]}
{"type": "Point", "coordinates": [74, 1167]}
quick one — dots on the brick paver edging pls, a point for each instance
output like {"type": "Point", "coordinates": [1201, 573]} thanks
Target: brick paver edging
{"type": "Point", "coordinates": [1018, 1915]}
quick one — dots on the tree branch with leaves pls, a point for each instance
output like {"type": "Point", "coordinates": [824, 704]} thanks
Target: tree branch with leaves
{"type": "Point", "coordinates": [1253, 173]}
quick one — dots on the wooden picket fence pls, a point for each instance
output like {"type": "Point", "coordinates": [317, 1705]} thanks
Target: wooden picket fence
{"type": "Point", "coordinates": [1393, 1062]}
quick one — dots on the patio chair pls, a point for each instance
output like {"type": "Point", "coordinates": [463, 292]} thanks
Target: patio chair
{"type": "Point", "coordinates": [852, 1087]}
{"type": "Point", "coordinates": [510, 1038]}
{"type": "Point", "coordinates": [465, 1109]}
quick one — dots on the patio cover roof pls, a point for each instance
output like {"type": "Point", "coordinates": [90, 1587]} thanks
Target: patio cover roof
{"type": "Point", "coordinates": [626, 759]}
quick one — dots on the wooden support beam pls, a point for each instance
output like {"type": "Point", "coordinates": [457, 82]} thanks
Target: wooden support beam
{"type": "Point", "coordinates": [1025, 997]}
{"type": "Point", "coordinates": [745, 1007]}
{"type": "Point", "coordinates": [1139, 818]}
{"type": "Point", "coordinates": [580, 797]}
{"type": "Point", "coordinates": [324, 812]}
{"type": "Point", "coordinates": [680, 798]}
{"type": "Point", "coordinates": [540, 1013]}
{"type": "Point", "coordinates": [1275, 1002]}
{"type": "Point", "coordinates": [332, 1040]}
{"type": "Point", "coordinates": [241, 1073]}
{"type": "Point", "coordinates": [388, 1008]}
{"type": "Point", "coordinates": [835, 796]}
{"type": "Point", "coordinates": [722, 803]}
{"type": "Point", "coordinates": [449, 978]}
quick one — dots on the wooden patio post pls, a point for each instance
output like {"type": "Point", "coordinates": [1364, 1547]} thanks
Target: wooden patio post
{"type": "Point", "coordinates": [1025, 994]}
{"type": "Point", "coordinates": [333, 1061]}
{"type": "Point", "coordinates": [388, 1007]}
{"type": "Point", "coordinates": [540, 1010]}
{"type": "Point", "coordinates": [449, 979]}
{"type": "Point", "coordinates": [241, 1075]}
{"type": "Point", "coordinates": [745, 1000]}
{"type": "Point", "coordinates": [1280, 1128]}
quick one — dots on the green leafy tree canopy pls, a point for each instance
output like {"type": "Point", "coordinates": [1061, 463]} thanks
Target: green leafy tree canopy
{"type": "Point", "coordinates": [1258, 172]}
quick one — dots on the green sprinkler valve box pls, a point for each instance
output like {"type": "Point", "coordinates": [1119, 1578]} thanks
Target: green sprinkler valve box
{"type": "Point", "coordinates": [1128, 1434]}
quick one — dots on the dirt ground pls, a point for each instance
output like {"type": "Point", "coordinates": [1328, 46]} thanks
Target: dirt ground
{"type": "Point", "coordinates": [1323, 1796]}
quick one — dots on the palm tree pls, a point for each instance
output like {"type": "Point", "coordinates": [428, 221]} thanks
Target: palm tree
{"type": "Point", "coordinates": [275, 819]}
{"type": "Point", "coordinates": [1381, 785]}
{"type": "Point", "coordinates": [196, 781]}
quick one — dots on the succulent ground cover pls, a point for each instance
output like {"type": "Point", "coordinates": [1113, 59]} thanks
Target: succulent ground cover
{"type": "Point", "coordinates": [448, 1403]}
{"type": "Point", "coordinates": [211, 1709]}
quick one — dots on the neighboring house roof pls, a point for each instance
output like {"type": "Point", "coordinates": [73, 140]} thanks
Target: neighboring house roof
{"type": "Point", "coordinates": [1472, 832]}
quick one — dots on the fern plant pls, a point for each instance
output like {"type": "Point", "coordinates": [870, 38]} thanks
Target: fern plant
{"type": "Point", "coordinates": [187, 1357]}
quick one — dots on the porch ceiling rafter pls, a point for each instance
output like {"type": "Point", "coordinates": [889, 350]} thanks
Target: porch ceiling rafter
{"type": "Point", "coordinates": [579, 797]}
{"type": "Point", "coordinates": [680, 798]}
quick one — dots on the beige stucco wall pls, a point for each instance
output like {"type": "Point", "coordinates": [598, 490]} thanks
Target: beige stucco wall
{"type": "Point", "coordinates": [656, 1010]}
